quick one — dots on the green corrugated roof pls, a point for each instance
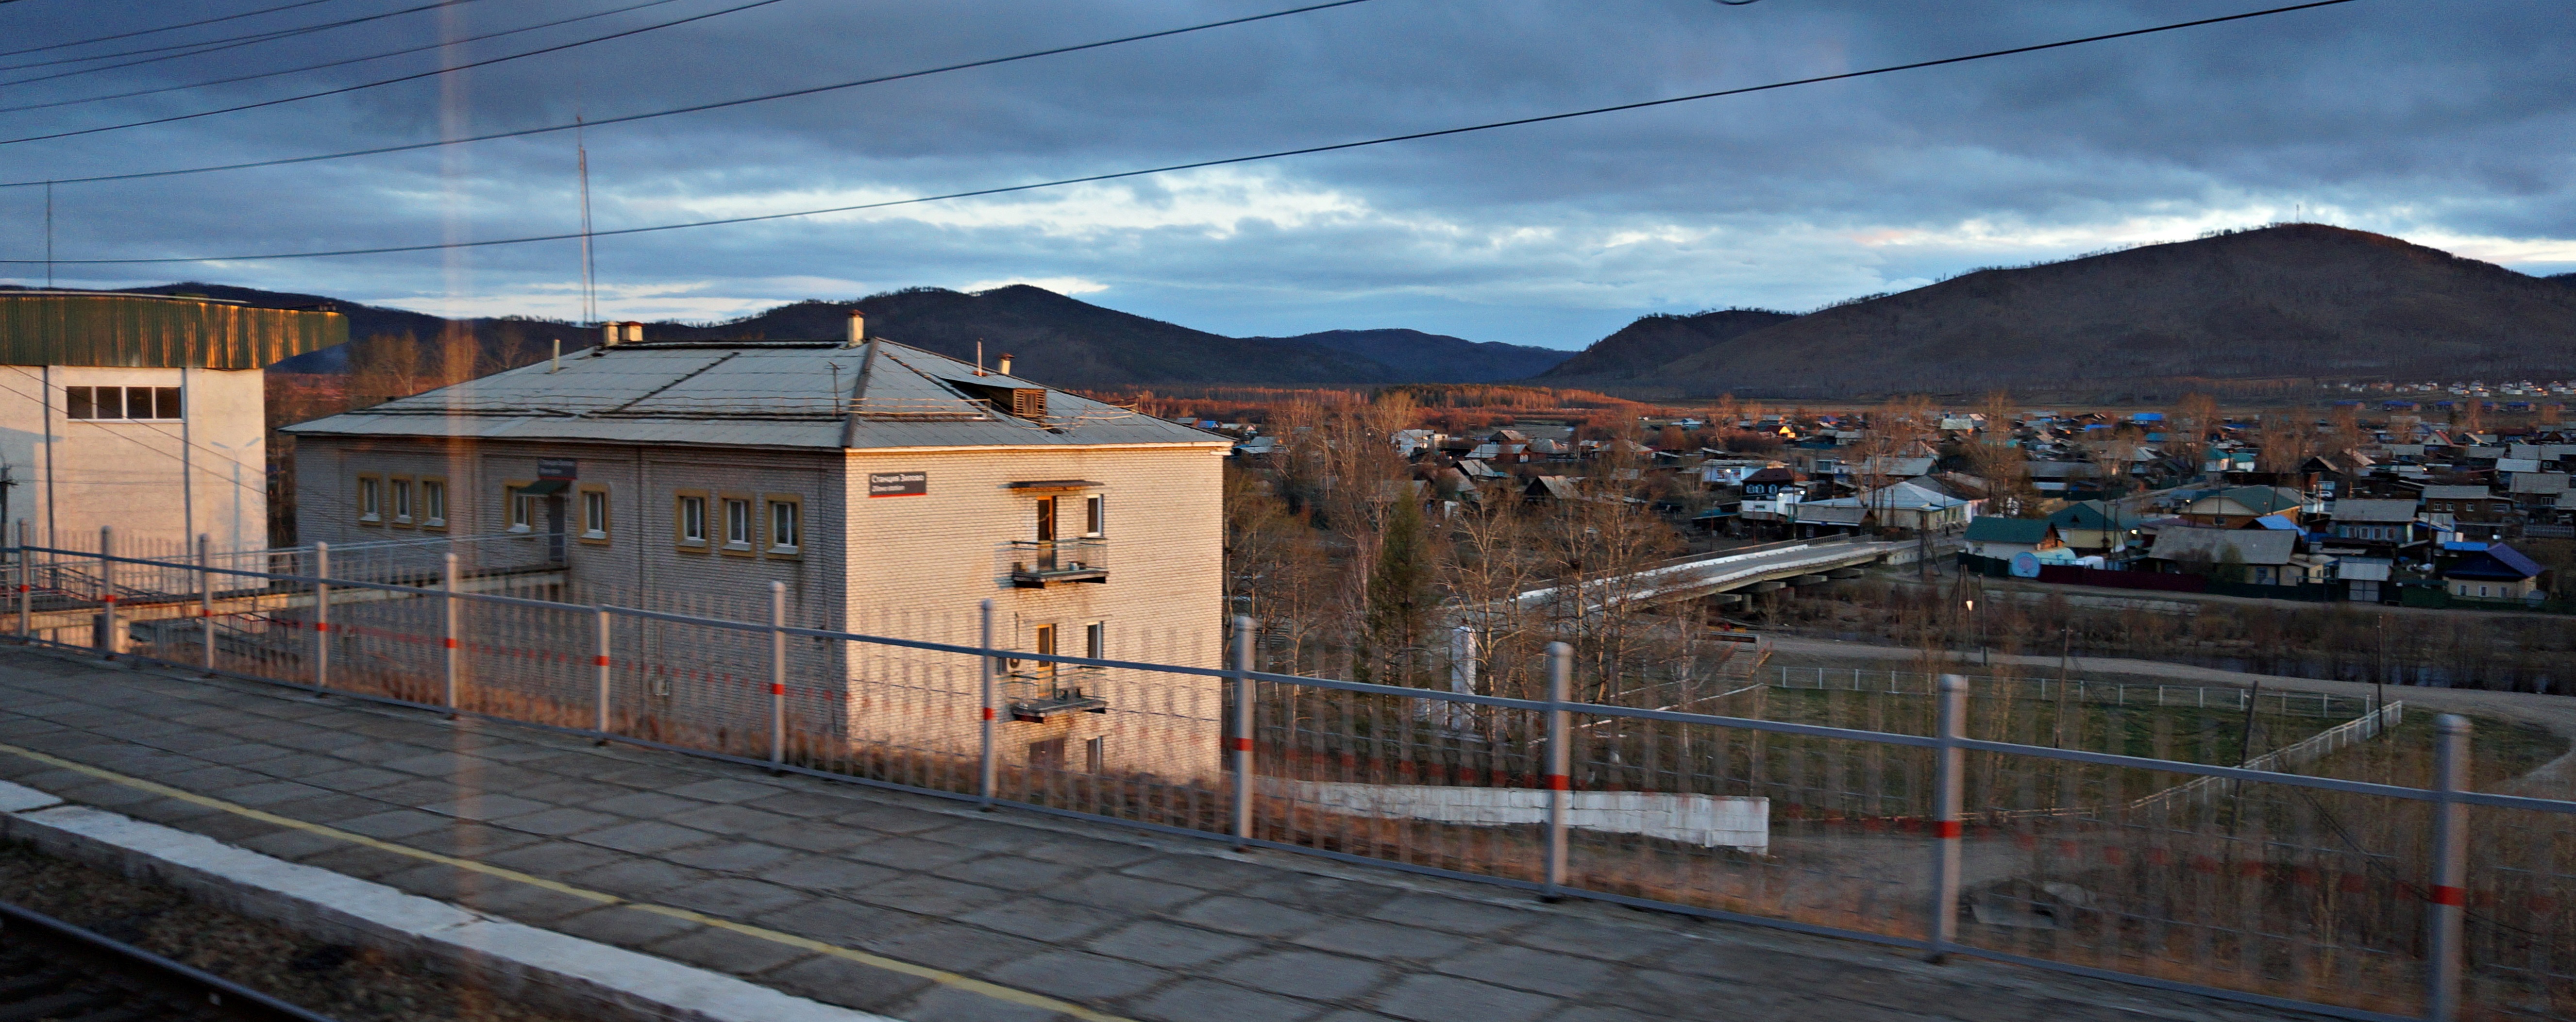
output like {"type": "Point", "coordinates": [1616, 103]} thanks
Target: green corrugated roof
{"type": "Point", "coordinates": [81, 328]}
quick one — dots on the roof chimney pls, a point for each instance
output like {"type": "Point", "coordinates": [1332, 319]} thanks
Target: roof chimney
{"type": "Point", "coordinates": [608, 335]}
{"type": "Point", "coordinates": [634, 333]}
{"type": "Point", "coordinates": [1004, 366]}
{"type": "Point", "coordinates": [858, 328]}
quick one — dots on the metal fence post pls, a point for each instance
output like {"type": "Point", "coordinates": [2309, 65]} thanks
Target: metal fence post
{"type": "Point", "coordinates": [206, 602]}
{"type": "Point", "coordinates": [1241, 745]}
{"type": "Point", "coordinates": [2449, 901]}
{"type": "Point", "coordinates": [26, 587]}
{"type": "Point", "coordinates": [985, 768]}
{"type": "Point", "coordinates": [1560, 760]}
{"type": "Point", "coordinates": [321, 617]}
{"type": "Point", "coordinates": [777, 673]}
{"type": "Point", "coordinates": [106, 638]}
{"type": "Point", "coordinates": [1948, 778]}
{"type": "Point", "coordinates": [600, 660]}
{"type": "Point", "coordinates": [448, 608]}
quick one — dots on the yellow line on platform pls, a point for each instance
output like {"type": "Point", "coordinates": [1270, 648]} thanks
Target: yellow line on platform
{"type": "Point", "coordinates": [970, 984]}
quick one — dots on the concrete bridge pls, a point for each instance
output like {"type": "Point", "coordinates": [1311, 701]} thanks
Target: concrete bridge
{"type": "Point", "coordinates": [1758, 570]}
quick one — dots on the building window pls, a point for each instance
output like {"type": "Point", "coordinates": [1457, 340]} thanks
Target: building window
{"type": "Point", "coordinates": [786, 524]}
{"type": "Point", "coordinates": [1092, 524]}
{"type": "Point", "coordinates": [738, 525]}
{"type": "Point", "coordinates": [689, 520]}
{"type": "Point", "coordinates": [594, 514]}
{"type": "Point", "coordinates": [433, 503]}
{"type": "Point", "coordinates": [123, 403]}
{"type": "Point", "coordinates": [398, 488]}
{"type": "Point", "coordinates": [1095, 642]}
{"type": "Point", "coordinates": [371, 500]}
{"type": "Point", "coordinates": [522, 508]}
{"type": "Point", "coordinates": [1095, 754]}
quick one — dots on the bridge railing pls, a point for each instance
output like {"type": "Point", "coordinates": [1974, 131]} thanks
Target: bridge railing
{"type": "Point", "coordinates": [2379, 884]}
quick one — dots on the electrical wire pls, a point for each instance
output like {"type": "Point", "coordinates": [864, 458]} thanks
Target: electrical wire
{"type": "Point", "coordinates": [164, 28]}
{"type": "Point", "coordinates": [337, 63]}
{"type": "Point", "coordinates": [1219, 162]}
{"type": "Point", "coordinates": [719, 105]}
{"type": "Point", "coordinates": [390, 81]}
{"type": "Point", "coordinates": [202, 46]}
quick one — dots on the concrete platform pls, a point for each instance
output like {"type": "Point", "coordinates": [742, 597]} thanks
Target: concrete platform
{"type": "Point", "coordinates": [920, 908]}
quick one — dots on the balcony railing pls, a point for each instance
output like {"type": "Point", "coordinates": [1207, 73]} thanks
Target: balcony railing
{"type": "Point", "coordinates": [1034, 691]}
{"type": "Point", "coordinates": [1037, 563]}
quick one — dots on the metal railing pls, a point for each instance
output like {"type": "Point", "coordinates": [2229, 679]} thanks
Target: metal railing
{"type": "Point", "coordinates": [1036, 563]}
{"type": "Point", "coordinates": [2380, 885]}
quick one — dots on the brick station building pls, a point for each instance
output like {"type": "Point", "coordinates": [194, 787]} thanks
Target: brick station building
{"type": "Point", "coordinates": [890, 489]}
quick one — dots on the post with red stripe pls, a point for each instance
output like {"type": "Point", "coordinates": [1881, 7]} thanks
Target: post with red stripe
{"type": "Point", "coordinates": [321, 617]}
{"type": "Point", "coordinates": [984, 766]}
{"type": "Point", "coordinates": [1949, 776]}
{"type": "Point", "coordinates": [1241, 742]}
{"type": "Point", "coordinates": [450, 609]}
{"type": "Point", "coordinates": [1560, 759]}
{"type": "Point", "coordinates": [2450, 870]}
{"type": "Point", "coordinates": [777, 675]}
{"type": "Point", "coordinates": [205, 602]}
{"type": "Point", "coordinates": [600, 660]}
{"type": "Point", "coordinates": [106, 637]}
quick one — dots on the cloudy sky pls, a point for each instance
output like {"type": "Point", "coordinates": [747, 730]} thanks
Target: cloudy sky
{"type": "Point", "coordinates": [2444, 123]}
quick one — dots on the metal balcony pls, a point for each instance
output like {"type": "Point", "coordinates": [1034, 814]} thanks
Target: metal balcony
{"type": "Point", "coordinates": [1038, 563]}
{"type": "Point", "coordinates": [1034, 692]}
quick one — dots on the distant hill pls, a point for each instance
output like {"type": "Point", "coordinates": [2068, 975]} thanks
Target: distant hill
{"type": "Point", "coordinates": [1416, 357]}
{"type": "Point", "coordinates": [1640, 349]}
{"type": "Point", "coordinates": [1056, 339]}
{"type": "Point", "coordinates": [2297, 300]}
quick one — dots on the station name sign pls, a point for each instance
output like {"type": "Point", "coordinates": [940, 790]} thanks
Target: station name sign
{"type": "Point", "coordinates": [898, 484]}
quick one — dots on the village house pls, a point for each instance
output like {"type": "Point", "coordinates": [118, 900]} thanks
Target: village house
{"type": "Point", "coordinates": [2260, 557]}
{"type": "Point", "coordinates": [2381, 527]}
{"type": "Point", "coordinates": [2492, 571]}
{"type": "Point", "coordinates": [888, 488]}
{"type": "Point", "coordinates": [2096, 526]}
{"type": "Point", "coordinates": [2001, 538]}
{"type": "Point", "coordinates": [2238, 506]}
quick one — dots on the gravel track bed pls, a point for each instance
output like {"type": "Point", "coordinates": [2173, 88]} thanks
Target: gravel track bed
{"type": "Point", "coordinates": [348, 983]}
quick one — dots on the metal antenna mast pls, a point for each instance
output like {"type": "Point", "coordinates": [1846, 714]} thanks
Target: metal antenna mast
{"type": "Point", "coordinates": [589, 292]}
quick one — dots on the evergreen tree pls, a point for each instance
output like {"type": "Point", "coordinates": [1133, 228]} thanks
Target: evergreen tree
{"type": "Point", "coordinates": [1400, 597]}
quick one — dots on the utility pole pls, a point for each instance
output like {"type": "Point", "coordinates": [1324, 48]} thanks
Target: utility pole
{"type": "Point", "coordinates": [2065, 661]}
{"type": "Point", "coordinates": [2379, 678]}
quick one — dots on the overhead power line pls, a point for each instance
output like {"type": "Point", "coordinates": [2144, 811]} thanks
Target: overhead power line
{"type": "Point", "coordinates": [164, 28]}
{"type": "Point", "coordinates": [337, 63]}
{"type": "Point", "coordinates": [558, 47]}
{"type": "Point", "coordinates": [697, 108]}
{"type": "Point", "coordinates": [201, 47]}
{"type": "Point", "coordinates": [1225, 161]}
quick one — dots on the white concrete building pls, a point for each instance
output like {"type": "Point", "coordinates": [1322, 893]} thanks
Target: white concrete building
{"type": "Point", "coordinates": [889, 489]}
{"type": "Point", "coordinates": [141, 412]}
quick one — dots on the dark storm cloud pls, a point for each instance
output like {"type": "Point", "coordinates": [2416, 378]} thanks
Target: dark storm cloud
{"type": "Point", "coordinates": [2446, 123]}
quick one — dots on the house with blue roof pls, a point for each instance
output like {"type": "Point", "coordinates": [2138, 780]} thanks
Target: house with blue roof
{"type": "Point", "coordinates": [2493, 571]}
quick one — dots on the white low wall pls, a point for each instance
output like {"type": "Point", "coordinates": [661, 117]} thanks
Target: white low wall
{"type": "Point", "coordinates": [1706, 820]}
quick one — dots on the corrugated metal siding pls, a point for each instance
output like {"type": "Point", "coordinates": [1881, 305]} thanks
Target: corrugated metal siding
{"type": "Point", "coordinates": [150, 331]}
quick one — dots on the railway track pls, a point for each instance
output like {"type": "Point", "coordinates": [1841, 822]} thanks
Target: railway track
{"type": "Point", "coordinates": [52, 971]}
